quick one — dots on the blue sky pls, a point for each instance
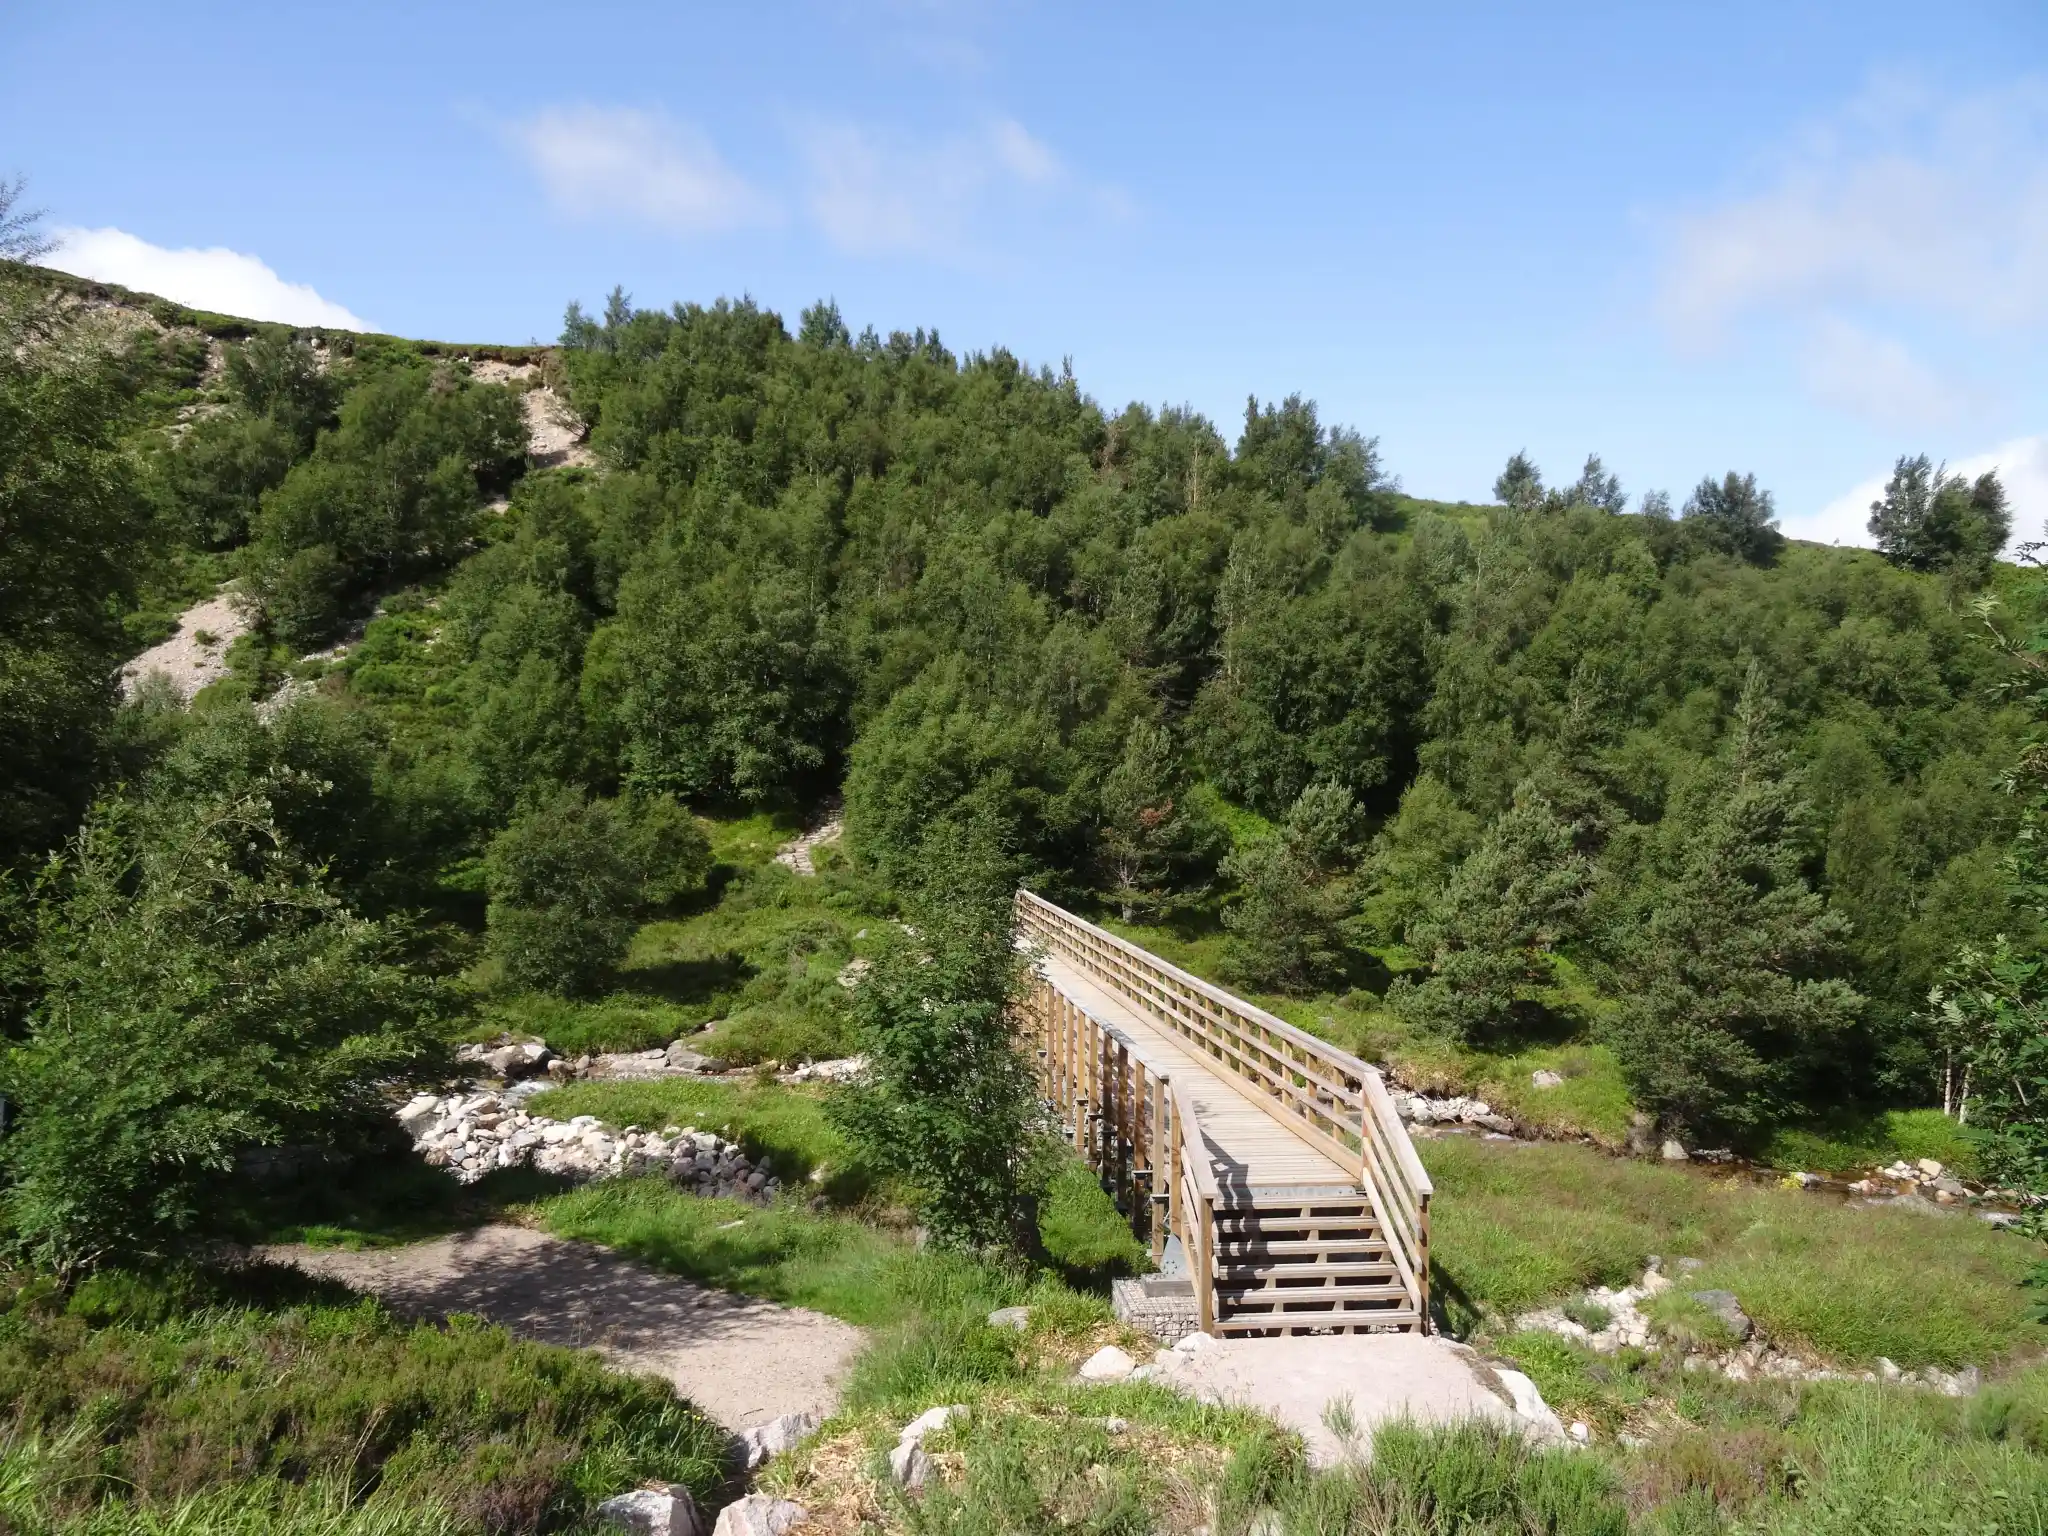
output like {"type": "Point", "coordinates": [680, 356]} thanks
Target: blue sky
{"type": "Point", "coordinates": [1795, 238]}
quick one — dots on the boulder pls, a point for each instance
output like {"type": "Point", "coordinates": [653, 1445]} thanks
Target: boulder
{"type": "Point", "coordinates": [1107, 1364]}
{"type": "Point", "coordinates": [419, 1115]}
{"type": "Point", "coordinates": [1545, 1078]}
{"type": "Point", "coordinates": [909, 1465]}
{"type": "Point", "coordinates": [759, 1515]}
{"type": "Point", "coordinates": [683, 1057]}
{"type": "Point", "coordinates": [775, 1437]}
{"type": "Point", "coordinates": [669, 1511]}
{"type": "Point", "coordinates": [521, 1060]}
{"type": "Point", "coordinates": [1724, 1306]}
{"type": "Point", "coordinates": [1642, 1137]}
{"type": "Point", "coordinates": [1018, 1318]}
{"type": "Point", "coordinates": [1929, 1169]}
{"type": "Point", "coordinates": [1673, 1151]}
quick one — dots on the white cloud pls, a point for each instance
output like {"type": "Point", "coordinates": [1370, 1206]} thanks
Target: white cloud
{"type": "Point", "coordinates": [1906, 214]}
{"type": "Point", "coordinates": [227, 282]}
{"type": "Point", "coordinates": [873, 195]}
{"type": "Point", "coordinates": [2022, 465]}
{"type": "Point", "coordinates": [597, 161]}
{"type": "Point", "coordinates": [1875, 377]}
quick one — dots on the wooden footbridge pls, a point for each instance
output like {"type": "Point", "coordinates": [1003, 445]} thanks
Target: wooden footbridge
{"type": "Point", "coordinates": [1266, 1167]}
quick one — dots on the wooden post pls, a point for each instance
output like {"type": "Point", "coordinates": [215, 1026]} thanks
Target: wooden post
{"type": "Point", "coordinates": [1176, 1218]}
{"type": "Point", "coordinates": [1421, 1262]}
{"type": "Point", "coordinates": [1138, 1160]}
{"type": "Point", "coordinates": [1205, 1296]}
{"type": "Point", "coordinates": [1076, 1105]}
{"type": "Point", "coordinates": [1165, 1172]}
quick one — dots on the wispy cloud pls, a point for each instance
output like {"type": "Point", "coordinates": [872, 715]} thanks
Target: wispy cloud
{"type": "Point", "coordinates": [877, 194]}
{"type": "Point", "coordinates": [1906, 211]}
{"type": "Point", "coordinates": [1875, 377]}
{"type": "Point", "coordinates": [618, 161]}
{"type": "Point", "coordinates": [216, 278]}
{"type": "Point", "coordinates": [2022, 465]}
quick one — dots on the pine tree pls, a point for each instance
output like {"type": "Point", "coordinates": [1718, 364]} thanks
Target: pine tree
{"type": "Point", "coordinates": [1930, 520]}
{"type": "Point", "coordinates": [1735, 516]}
{"type": "Point", "coordinates": [1730, 1002]}
{"type": "Point", "coordinates": [1157, 847]}
{"type": "Point", "coordinates": [1490, 934]}
{"type": "Point", "coordinates": [1520, 485]}
{"type": "Point", "coordinates": [1287, 927]}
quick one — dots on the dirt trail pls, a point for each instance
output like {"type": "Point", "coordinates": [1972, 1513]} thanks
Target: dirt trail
{"type": "Point", "coordinates": [742, 1360]}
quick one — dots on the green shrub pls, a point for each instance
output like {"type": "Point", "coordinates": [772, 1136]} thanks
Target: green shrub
{"type": "Point", "coordinates": [205, 997]}
{"type": "Point", "coordinates": [947, 1102]}
{"type": "Point", "coordinates": [150, 1397]}
{"type": "Point", "coordinates": [569, 877]}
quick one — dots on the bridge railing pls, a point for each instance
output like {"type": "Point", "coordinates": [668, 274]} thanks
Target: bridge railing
{"type": "Point", "coordinates": [1136, 1128]}
{"type": "Point", "coordinates": [1326, 1096]}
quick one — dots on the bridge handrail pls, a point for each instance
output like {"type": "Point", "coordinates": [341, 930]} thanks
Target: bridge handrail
{"type": "Point", "coordinates": [1322, 1093]}
{"type": "Point", "coordinates": [1359, 1082]}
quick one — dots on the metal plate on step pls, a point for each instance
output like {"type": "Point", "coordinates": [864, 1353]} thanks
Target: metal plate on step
{"type": "Point", "coordinates": [1329, 1194]}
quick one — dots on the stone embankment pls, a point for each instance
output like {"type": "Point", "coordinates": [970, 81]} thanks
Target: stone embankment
{"type": "Point", "coordinates": [473, 1134]}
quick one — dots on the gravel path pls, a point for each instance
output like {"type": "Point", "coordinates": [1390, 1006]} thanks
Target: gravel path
{"type": "Point", "coordinates": [742, 1360]}
{"type": "Point", "coordinates": [188, 662]}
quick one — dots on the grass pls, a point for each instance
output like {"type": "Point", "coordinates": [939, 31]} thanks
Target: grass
{"type": "Point", "coordinates": [1849, 1144]}
{"type": "Point", "coordinates": [1798, 1459]}
{"type": "Point", "coordinates": [252, 1396]}
{"type": "Point", "coordinates": [759, 963]}
{"type": "Point", "coordinates": [836, 1263]}
{"type": "Point", "coordinates": [1516, 1226]}
{"type": "Point", "coordinates": [788, 1124]}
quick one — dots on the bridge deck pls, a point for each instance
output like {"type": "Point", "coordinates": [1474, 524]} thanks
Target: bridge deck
{"type": "Point", "coordinates": [1249, 1150]}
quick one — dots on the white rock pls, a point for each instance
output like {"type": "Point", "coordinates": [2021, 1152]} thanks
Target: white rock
{"type": "Point", "coordinates": [909, 1465]}
{"type": "Point", "coordinates": [1544, 1078]}
{"type": "Point", "coordinates": [1888, 1370]}
{"type": "Point", "coordinates": [776, 1436]}
{"type": "Point", "coordinates": [1194, 1344]}
{"type": "Point", "coordinates": [1674, 1151]}
{"type": "Point", "coordinates": [1580, 1432]}
{"type": "Point", "coordinates": [419, 1113]}
{"type": "Point", "coordinates": [1929, 1169]}
{"type": "Point", "coordinates": [669, 1511]}
{"type": "Point", "coordinates": [759, 1515]}
{"type": "Point", "coordinates": [1543, 1426]}
{"type": "Point", "coordinates": [1107, 1364]}
{"type": "Point", "coordinates": [1018, 1318]}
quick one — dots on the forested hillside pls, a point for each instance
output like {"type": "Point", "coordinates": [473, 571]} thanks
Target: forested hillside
{"type": "Point", "coordinates": [1713, 810]}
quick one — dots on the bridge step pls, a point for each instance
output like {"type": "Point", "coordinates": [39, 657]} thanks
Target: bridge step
{"type": "Point", "coordinates": [1330, 1291]}
{"type": "Point", "coordinates": [1337, 1221]}
{"type": "Point", "coordinates": [1308, 1252]}
{"type": "Point", "coordinates": [1394, 1318]}
{"type": "Point", "coordinates": [1300, 1276]}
